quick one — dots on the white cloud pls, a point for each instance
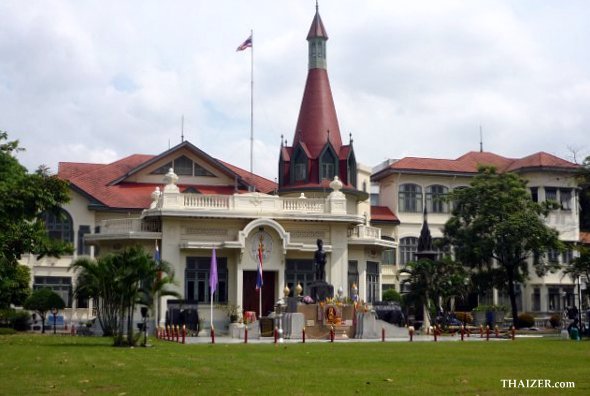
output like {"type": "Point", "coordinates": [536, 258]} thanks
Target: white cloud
{"type": "Point", "coordinates": [82, 80]}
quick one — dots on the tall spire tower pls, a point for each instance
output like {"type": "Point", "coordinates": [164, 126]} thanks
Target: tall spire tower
{"type": "Point", "coordinates": [317, 154]}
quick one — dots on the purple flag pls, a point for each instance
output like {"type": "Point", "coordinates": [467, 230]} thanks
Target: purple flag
{"type": "Point", "coordinates": [213, 274]}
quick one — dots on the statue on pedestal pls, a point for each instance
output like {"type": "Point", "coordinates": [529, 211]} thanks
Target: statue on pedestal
{"type": "Point", "coordinates": [319, 262]}
{"type": "Point", "coordinates": [320, 290]}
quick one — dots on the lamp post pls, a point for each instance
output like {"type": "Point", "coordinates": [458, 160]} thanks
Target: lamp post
{"type": "Point", "coordinates": [54, 312]}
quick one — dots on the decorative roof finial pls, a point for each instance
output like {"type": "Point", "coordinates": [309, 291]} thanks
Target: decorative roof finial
{"type": "Point", "coordinates": [350, 138]}
{"type": "Point", "coordinates": [316, 6]}
{"type": "Point", "coordinates": [281, 140]}
{"type": "Point", "coordinates": [328, 137]}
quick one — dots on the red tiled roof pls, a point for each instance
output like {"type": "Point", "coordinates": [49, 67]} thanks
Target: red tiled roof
{"type": "Point", "coordinates": [383, 213]}
{"type": "Point", "coordinates": [585, 237]}
{"type": "Point", "coordinates": [95, 180]}
{"type": "Point", "coordinates": [468, 163]}
{"type": "Point", "coordinates": [317, 120]}
{"type": "Point", "coordinates": [262, 184]}
{"type": "Point", "coordinates": [541, 160]}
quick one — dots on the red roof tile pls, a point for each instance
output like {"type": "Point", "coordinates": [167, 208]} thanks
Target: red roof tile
{"type": "Point", "coordinates": [96, 181]}
{"type": "Point", "coordinates": [541, 160]}
{"type": "Point", "coordinates": [469, 162]}
{"type": "Point", "coordinates": [383, 213]}
{"type": "Point", "coordinates": [262, 184]}
{"type": "Point", "coordinates": [585, 237]}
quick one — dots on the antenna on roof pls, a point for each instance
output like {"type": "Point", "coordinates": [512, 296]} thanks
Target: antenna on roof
{"type": "Point", "coordinates": [480, 140]}
{"type": "Point", "coordinates": [182, 129]}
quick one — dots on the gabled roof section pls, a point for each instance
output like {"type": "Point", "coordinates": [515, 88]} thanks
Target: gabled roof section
{"type": "Point", "coordinates": [382, 214]}
{"type": "Point", "coordinates": [317, 28]}
{"type": "Point", "coordinates": [260, 183]}
{"type": "Point", "coordinates": [105, 185]}
{"type": "Point", "coordinates": [186, 144]}
{"type": "Point", "coordinates": [541, 160]}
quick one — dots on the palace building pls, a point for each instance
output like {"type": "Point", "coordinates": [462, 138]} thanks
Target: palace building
{"type": "Point", "coordinates": [188, 203]}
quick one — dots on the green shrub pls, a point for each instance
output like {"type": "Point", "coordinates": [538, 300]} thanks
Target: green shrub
{"type": "Point", "coordinates": [464, 317]}
{"type": "Point", "coordinates": [391, 295]}
{"type": "Point", "coordinates": [18, 320]}
{"type": "Point", "coordinates": [555, 321]}
{"type": "Point", "coordinates": [7, 331]}
{"type": "Point", "coordinates": [525, 320]}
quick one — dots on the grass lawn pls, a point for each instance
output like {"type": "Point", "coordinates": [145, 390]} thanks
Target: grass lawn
{"type": "Point", "coordinates": [62, 365]}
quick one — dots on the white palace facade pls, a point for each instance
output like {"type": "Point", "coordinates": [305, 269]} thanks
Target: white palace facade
{"type": "Point", "coordinates": [187, 203]}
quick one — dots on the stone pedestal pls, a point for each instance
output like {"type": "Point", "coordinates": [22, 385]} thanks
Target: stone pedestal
{"type": "Point", "coordinates": [294, 323]}
{"type": "Point", "coordinates": [320, 291]}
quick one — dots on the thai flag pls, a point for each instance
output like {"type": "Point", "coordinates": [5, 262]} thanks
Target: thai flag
{"type": "Point", "coordinates": [245, 44]}
{"type": "Point", "coordinates": [157, 253]}
{"type": "Point", "coordinates": [259, 271]}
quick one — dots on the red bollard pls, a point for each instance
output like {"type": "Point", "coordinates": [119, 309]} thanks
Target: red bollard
{"type": "Point", "coordinates": [246, 334]}
{"type": "Point", "coordinates": [411, 332]}
{"type": "Point", "coordinates": [487, 333]}
{"type": "Point", "coordinates": [332, 334]}
{"type": "Point", "coordinates": [435, 332]}
{"type": "Point", "coordinates": [276, 335]}
{"type": "Point", "coordinates": [303, 335]}
{"type": "Point", "coordinates": [212, 335]}
{"type": "Point", "coordinates": [183, 333]}
{"type": "Point", "coordinates": [480, 331]}
{"type": "Point", "coordinates": [462, 333]}
{"type": "Point", "coordinates": [383, 334]}
{"type": "Point", "coordinates": [513, 331]}
{"type": "Point", "coordinates": [497, 331]}
{"type": "Point", "coordinates": [168, 331]}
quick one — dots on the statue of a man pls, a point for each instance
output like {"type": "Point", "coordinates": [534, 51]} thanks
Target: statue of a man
{"type": "Point", "coordinates": [319, 261]}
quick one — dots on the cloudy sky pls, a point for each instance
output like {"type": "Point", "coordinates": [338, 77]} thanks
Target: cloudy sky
{"type": "Point", "coordinates": [94, 81]}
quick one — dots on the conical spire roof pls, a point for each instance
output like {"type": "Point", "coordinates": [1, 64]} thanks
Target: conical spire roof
{"type": "Point", "coordinates": [317, 28]}
{"type": "Point", "coordinates": [317, 123]}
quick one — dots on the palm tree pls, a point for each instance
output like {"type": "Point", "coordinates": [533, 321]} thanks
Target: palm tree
{"type": "Point", "coordinates": [119, 282]}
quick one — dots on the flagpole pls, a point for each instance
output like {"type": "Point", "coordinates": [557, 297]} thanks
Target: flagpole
{"type": "Point", "coordinates": [260, 302]}
{"type": "Point", "coordinates": [252, 105]}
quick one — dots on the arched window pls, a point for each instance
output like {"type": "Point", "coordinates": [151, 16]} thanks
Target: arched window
{"type": "Point", "coordinates": [436, 199]}
{"type": "Point", "coordinates": [410, 198]}
{"type": "Point", "coordinates": [328, 165]}
{"type": "Point", "coordinates": [408, 247]}
{"type": "Point", "coordinates": [59, 226]}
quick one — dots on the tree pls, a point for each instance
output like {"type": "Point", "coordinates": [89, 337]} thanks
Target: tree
{"type": "Point", "coordinates": [434, 282]}
{"type": "Point", "coordinates": [43, 301]}
{"type": "Point", "coordinates": [24, 198]}
{"type": "Point", "coordinates": [496, 228]}
{"type": "Point", "coordinates": [14, 287]}
{"type": "Point", "coordinates": [119, 282]}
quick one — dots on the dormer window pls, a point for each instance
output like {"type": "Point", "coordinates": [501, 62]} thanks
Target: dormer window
{"type": "Point", "coordinates": [328, 165]}
{"type": "Point", "coordinates": [300, 167]}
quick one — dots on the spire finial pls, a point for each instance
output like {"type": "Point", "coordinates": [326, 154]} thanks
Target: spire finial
{"type": "Point", "coordinates": [350, 137]}
{"type": "Point", "coordinates": [316, 6]}
{"type": "Point", "coordinates": [281, 140]}
{"type": "Point", "coordinates": [328, 135]}
{"type": "Point", "coordinates": [480, 140]}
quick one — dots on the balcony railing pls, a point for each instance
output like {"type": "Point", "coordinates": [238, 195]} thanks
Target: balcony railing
{"type": "Point", "coordinates": [308, 205]}
{"type": "Point", "coordinates": [128, 225]}
{"type": "Point", "coordinates": [199, 201]}
{"type": "Point", "coordinates": [364, 232]}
